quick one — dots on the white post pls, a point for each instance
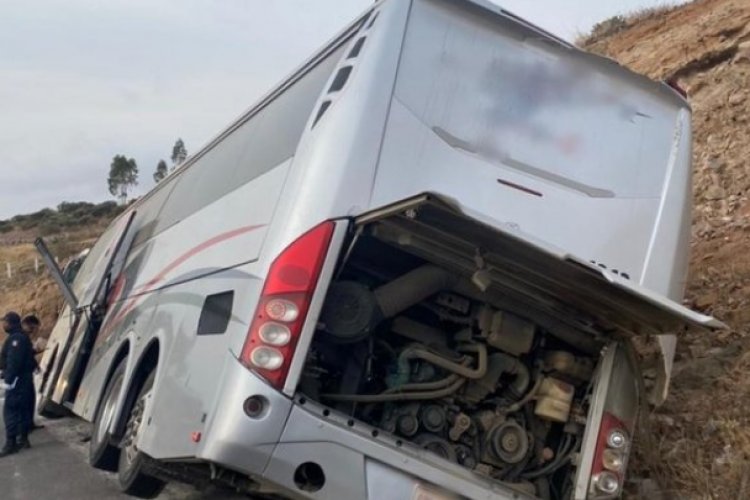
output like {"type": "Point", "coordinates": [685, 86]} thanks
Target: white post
{"type": "Point", "coordinates": [9, 270]}
{"type": "Point", "coordinates": [36, 265]}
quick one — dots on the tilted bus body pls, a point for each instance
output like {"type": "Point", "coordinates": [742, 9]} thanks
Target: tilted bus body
{"type": "Point", "coordinates": [411, 269]}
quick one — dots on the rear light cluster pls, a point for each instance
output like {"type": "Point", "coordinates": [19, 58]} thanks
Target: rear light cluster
{"type": "Point", "coordinates": [610, 459]}
{"type": "Point", "coordinates": [282, 309]}
{"type": "Point", "coordinates": [672, 82]}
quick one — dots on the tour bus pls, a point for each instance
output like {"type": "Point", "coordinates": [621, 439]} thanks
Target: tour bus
{"type": "Point", "coordinates": [413, 270]}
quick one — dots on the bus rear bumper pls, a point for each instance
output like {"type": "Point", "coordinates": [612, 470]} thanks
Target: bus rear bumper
{"type": "Point", "coordinates": [238, 440]}
{"type": "Point", "coordinates": [285, 447]}
{"type": "Point", "coordinates": [323, 454]}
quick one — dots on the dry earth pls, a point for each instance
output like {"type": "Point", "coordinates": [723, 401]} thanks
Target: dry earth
{"type": "Point", "coordinates": [698, 444]}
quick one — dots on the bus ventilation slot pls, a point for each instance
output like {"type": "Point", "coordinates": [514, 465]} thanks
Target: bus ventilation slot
{"type": "Point", "coordinates": [342, 75]}
{"type": "Point", "coordinates": [357, 48]}
{"type": "Point", "coordinates": [323, 108]}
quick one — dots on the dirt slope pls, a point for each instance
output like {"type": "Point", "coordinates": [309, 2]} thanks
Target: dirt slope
{"type": "Point", "coordinates": [30, 291]}
{"type": "Point", "coordinates": [29, 288]}
{"type": "Point", "coordinates": [698, 446]}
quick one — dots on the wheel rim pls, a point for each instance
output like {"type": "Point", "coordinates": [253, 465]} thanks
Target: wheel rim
{"type": "Point", "coordinates": [129, 447]}
{"type": "Point", "coordinates": [108, 412]}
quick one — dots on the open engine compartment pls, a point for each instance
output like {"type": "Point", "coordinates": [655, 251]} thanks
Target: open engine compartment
{"type": "Point", "coordinates": [429, 352]}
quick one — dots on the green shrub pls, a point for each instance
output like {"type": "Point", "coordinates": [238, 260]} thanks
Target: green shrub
{"type": "Point", "coordinates": [75, 207]}
{"type": "Point", "coordinates": [68, 216]}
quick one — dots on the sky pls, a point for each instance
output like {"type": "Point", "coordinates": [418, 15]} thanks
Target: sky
{"type": "Point", "coordinates": [84, 80]}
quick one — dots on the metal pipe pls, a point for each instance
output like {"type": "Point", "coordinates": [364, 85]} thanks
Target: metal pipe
{"type": "Point", "coordinates": [426, 386]}
{"type": "Point", "coordinates": [412, 288]}
{"type": "Point", "coordinates": [446, 364]}
{"type": "Point", "coordinates": [404, 396]}
{"type": "Point", "coordinates": [423, 386]}
{"type": "Point", "coordinates": [499, 364]}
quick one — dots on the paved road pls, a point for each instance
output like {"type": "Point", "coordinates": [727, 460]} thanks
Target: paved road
{"type": "Point", "coordinates": [56, 468]}
{"type": "Point", "coordinates": [53, 469]}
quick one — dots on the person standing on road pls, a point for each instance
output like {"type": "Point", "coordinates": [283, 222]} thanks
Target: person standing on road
{"type": "Point", "coordinates": [18, 368]}
{"type": "Point", "coordinates": [30, 325]}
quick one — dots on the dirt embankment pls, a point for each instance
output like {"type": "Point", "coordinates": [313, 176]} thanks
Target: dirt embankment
{"type": "Point", "coordinates": [699, 442]}
{"type": "Point", "coordinates": [25, 284]}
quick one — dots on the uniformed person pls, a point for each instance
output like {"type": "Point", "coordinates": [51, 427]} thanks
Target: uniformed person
{"type": "Point", "coordinates": [17, 360]}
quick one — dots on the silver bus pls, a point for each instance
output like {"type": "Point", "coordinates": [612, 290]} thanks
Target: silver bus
{"type": "Point", "coordinates": [411, 271]}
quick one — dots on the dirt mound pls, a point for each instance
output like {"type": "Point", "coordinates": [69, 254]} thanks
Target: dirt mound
{"type": "Point", "coordinates": [698, 446]}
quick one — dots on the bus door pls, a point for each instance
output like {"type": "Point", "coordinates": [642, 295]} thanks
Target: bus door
{"type": "Point", "coordinates": [89, 308]}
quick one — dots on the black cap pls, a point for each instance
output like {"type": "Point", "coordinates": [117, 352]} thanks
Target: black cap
{"type": "Point", "coordinates": [12, 318]}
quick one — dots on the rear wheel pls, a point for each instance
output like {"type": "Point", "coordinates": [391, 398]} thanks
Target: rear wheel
{"type": "Point", "coordinates": [130, 473]}
{"type": "Point", "coordinates": [102, 454]}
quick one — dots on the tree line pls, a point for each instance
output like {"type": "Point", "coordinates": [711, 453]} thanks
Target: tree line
{"type": "Point", "coordinates": [123, 171]}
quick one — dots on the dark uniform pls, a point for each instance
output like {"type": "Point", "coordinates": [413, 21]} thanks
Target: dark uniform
{"type": "Point", "coordinates": [17, 361]}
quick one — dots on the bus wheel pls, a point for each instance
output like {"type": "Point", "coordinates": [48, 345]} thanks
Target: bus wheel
{"type": "Point", "coordinates": [102, 454]}
{"type": "Point", "coordinates": [133, 481]}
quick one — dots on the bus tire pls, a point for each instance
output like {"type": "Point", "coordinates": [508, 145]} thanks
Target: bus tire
{"type": "Point", "coordinates": [130, 472]}
{"type": "Point", "coordinates": [102, 453]}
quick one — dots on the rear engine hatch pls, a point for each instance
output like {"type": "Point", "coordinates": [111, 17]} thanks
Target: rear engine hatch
{"type": "Point", "coordinates": [529, 275]}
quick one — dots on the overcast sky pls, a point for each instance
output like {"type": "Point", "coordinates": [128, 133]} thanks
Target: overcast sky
{"type": "Point", "coordinates": [83, 80]}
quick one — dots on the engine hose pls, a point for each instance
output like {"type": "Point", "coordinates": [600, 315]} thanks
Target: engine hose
{"type": "Point", "coordinates": [446, 364]}
{"type": "Point", "coordinates": [402, 396]}
{"type": "Point", "coordinates": [426, 386]}
{"type": "Point", "coordinates": [423, 386]}
{"type": "Point", "coordinates": [528, 397]}
{"type": "Point", "coordinates": [555, 464]}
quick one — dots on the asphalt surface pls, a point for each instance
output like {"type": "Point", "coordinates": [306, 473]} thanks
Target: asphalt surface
{"type": "Point", "coordinates": [56, 467]}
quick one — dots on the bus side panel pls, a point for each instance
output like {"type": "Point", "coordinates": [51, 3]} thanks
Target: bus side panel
{"type": "Point", "coordinates": [232, 229]}
{"type": "Point", "coordinates": [191, 370]}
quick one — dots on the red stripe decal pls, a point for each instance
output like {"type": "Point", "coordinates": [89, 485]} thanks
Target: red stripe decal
{"type": "Point", "coordinates": [150, 284]}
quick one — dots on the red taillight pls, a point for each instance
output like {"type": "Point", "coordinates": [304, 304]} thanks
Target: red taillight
{"type": "Point", "coordinates": [283, 305]}
{"type": "Point", "coordinates": [611, 458]}
{"type": "Point", "coordinates": [672, 82]}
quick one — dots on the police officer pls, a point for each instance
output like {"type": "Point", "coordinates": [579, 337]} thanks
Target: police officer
{"type": "Point", "coordinates": [17, 360]}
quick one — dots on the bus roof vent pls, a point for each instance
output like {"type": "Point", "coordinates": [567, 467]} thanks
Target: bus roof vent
{"type": "Point", "coordinates": [344, 72]}
{"type": "Point", "coordinates": [357, 48]}
{"type": "Point", "coordinates": [342, 75]}
{"type": "Point", "coordinates": [321, 111]}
